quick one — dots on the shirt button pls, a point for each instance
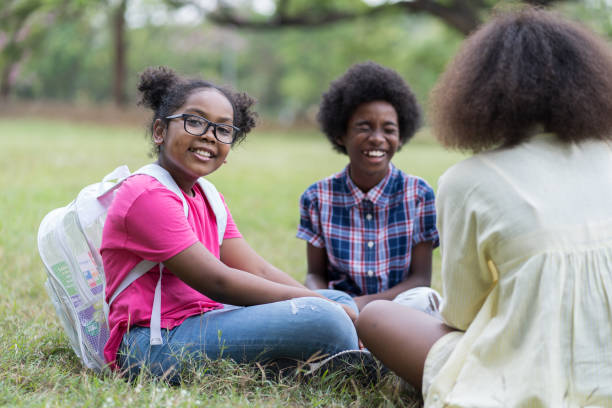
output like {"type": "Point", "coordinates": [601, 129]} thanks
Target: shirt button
{"type": "Point", "coordinates": [368, 217]}
{"type": "Point", "coordinates": [370, 273]}
{"type": "Point", "coordinates": [370, 244]}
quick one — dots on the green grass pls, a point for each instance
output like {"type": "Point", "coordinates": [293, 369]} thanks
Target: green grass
{"type": "Point", "coordinates": [43, 165]}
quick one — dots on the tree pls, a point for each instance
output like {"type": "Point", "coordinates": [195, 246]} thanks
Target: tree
{"type": "Point", "coordinates": [25, 23]}
{"type": "Point", "coordinates": [462, 15]}
{"type": "Point", "coordinates": [118, 10]}
{"type": "Point", "coordinates": [119, 50]}
{"type": "Point", "coordinates": [22, 24]}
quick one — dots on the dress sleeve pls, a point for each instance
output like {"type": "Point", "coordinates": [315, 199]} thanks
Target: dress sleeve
{"type": "Point", "coordinates": [425, 221]}
{"type": "Point", "coordinates": [153, 236]}
{"type": "Point", "coordinates": [466, 278]}
{"type": "Point", "coordinates": [310, 219]}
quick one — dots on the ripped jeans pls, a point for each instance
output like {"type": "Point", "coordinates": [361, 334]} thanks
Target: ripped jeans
{"type": "Point", "coordinates": [289, 330]}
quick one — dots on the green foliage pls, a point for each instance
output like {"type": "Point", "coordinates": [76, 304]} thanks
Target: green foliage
{"type": "Point", "coordinates": [24, 25]}
{"type": "Point", "coordinates": [286, 70]}
{"type": "Point", "coordinates": [17, 18]}
{"type": "Point", "coordinates": [417, 48]}
{"type": "Point", "coordinates": [43, 165]}
{"type": "Point", "coordinates": [596, 14]}
{"type": "Point", "coordinates": [56, 71]}
{"type": "Point", "coordinates": [190, 50]}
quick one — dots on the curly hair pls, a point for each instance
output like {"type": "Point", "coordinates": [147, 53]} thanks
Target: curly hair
{"type": "Point", "coordinates": [163, 91]}
{"type": "Point", "coordinates": [362, 83]}
{"type": "Point", "coordinates": [525, 71]}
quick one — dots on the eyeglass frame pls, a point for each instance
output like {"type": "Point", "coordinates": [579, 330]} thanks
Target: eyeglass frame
{"type": "Point", "coordinates": [209, 123]}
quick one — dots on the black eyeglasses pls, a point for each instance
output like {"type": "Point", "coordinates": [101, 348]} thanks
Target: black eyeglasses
{"type": "Point", "coordinates": [198, 125]}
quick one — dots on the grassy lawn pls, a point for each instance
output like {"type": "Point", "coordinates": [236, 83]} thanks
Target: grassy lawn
{"type": "Point", "coordinates": [43, 164]}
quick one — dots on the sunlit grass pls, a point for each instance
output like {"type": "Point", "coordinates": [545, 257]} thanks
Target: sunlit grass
{"type": "Point", "coordinates": [43, 165]}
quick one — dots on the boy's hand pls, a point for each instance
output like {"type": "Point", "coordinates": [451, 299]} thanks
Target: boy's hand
{"type": "Point", "coordinates": [361, 301]}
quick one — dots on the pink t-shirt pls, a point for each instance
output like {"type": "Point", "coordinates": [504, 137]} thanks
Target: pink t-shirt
{"type": "Point", "coordinates": [147, 221]}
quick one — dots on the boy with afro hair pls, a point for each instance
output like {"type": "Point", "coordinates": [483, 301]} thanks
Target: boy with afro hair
{"type": "Point", "coordinates": [371, 228]}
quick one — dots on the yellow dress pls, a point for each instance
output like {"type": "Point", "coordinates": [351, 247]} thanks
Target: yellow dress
{"type": "Point", "coordinates": [526, 242]}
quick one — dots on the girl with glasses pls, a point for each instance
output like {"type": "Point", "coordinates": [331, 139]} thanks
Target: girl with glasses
{"type": "Point", "coordinates": [219, 298]}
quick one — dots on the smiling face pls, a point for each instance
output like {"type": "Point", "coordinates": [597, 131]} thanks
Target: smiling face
{"type": "Point", "coordinates": [188, 157]}
{"type": "Point", "coordinates": [371, 139]}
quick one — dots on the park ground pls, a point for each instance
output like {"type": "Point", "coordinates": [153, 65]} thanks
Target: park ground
{"type": "Point", "coordinates": [47, 156]}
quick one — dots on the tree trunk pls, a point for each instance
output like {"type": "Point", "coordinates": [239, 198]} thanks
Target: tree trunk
{"type": "Point", "coordinates": [462, 16]}
{"type": "Point", "coordinates": [5, 82]}
{"type": "Point", "coordinates": [119, 48]}
{"type": "Point", "coordinates": [11, 54]}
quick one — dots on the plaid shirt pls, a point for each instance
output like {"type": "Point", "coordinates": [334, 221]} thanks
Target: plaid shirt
{"type": "Point", "coordinates": [368, 237]}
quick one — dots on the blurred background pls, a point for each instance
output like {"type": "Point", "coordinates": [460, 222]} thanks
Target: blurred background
{"type": "Point", "coordinates": [81, 58]}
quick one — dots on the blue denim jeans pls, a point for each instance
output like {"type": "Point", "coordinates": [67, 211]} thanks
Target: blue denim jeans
{"type": "Point", "coordinates": [293, 329]}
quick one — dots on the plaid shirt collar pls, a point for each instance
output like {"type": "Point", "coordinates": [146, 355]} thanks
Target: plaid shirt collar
{"type": "Point", "coordinates": [375, 194]}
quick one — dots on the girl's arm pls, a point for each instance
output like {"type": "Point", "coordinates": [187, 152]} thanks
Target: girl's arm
{"type": "Point", "coordinates": [201, 270]}
{"type": "Point", "coordinates": [316, 278]}
{"type": "Point", "coordinates": [420, 275]}
{"type": "Point", "coordinates": [238, 254]}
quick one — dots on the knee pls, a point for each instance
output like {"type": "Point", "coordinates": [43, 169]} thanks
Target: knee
{"type": "Point", "coordinates": [369, 316]}
{"type": "Point", "coordinates": [327, 313]}
{"type": "Point", "coordinates": [330, 321]}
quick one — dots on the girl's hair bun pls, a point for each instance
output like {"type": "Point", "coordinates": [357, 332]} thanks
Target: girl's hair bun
{"type": "Point", "coordinates": [154, 85]}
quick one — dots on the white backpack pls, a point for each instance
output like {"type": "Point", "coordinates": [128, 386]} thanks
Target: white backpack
{"type": "Point", "coordinates": [69, 241]}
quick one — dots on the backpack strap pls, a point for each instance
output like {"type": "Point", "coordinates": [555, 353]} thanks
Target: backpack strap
{"type": "Point", "coordinates": [160, 174]}
{"type": "Point", "coordinates": [214, 199]}
{"type": "Point", "coordinates": [210, 191]}
{"type": "Point", "coordinates": [143, 267]}
{"type": "Point", "coordinates": [155, 325]}
{"type": "Point", "coordinates": [163, 176]}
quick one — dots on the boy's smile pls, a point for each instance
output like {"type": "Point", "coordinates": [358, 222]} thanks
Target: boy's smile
{"type": "Point", "coordinates": [371, 140]}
